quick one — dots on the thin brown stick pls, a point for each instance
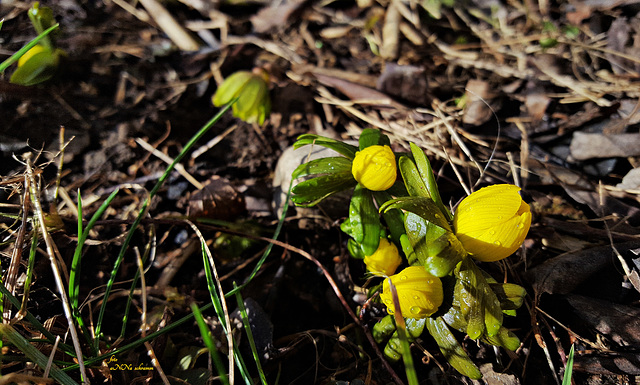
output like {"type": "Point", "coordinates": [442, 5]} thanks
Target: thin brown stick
{"type": "Point", "coordinates": [54, 266]}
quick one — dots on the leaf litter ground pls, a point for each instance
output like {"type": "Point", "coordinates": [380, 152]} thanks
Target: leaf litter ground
{"type": "Point", "coordinates": [542, 94]}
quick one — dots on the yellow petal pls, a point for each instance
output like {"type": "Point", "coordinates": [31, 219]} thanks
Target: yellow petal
{"type": "Point", "coordinates": [385, 260]}
{"type": "Point", "coordinates": [492, 222]}
{"type": "Point", "coordinates": [486, 208]}
{"type": "Point", "coordinates": [500, 242]}
{"type": "Point", "coordinates": [419, 292]}
{"type": "Point", "coordinates": [36, 49]}
{"type": "Point", "coordinates": [375, 167]}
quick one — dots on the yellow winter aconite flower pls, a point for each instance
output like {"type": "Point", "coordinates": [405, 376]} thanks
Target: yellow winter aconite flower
{"type": "Point", "coordinates": [36, 49]}
{"type": "Point", "coordinates": [385, 260]}
{"type": "Point", "coordinates": [375, 167]}
{"type": "Point", "coordinates": [419, 292]}
{"type": "Point", "coordinates": [251, 89]}
{"type": "Point", "coordinates": [492, 222]}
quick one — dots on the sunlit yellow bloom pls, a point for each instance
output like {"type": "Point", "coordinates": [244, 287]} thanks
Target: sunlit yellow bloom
{"type": "Point", "coordinates": [375, 167]}
{"type": "Point", "coordinates": [251, 89]}
{"type": "Point", "coordinates": [492, 222]}
{"type": "Point", "coordinates": [419, 292]}
{"type": "Point", "coordinates": [385, 260]}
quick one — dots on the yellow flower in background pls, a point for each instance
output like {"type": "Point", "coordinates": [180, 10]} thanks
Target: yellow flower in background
{"type": "Point", "coordinates": [492, 222]}
{"type": "Point", "coordinates": [419, 292]}
{"type": "Point", "coordinates": [251, 89]}
{"type": "Point", "coordinates": [375, 167]}
{"type": "Point", "coordinates": [385, 260]}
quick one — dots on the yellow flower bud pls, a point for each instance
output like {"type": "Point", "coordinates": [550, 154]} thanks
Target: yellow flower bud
{"type": "Point", "coordinates": [385, 260]}
{"type": "Point", "coordinates": [36, 49]}
{"type": "Point", "coordinates": [375, 167]}
{"type": "Point", "coordinates": [419, 292]}
{"type": "Point", "coordinates": [251, 89]}
{"type": "Point", "coordinates": [492, 222]}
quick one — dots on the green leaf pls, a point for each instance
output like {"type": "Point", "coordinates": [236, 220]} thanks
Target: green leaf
{"type": "Point", "coordinates": [505, 338]}
{"type": "Point", "coordinates": [383, 329]}
{"type": "Point", "coordinates": [454, 318]}
{"type": "Point", "coordinates": [426, 174]}
{"type": "Point", "coordinates": [470, 297]}
{"type": "Point", "coordinates": [451, 349]}
{"type": "Point", "coordinates": [328, 165]}
{"type": "Point", "coordinates": [355, 249]}
{"type": "Point", "coordinates": [510, 295]}
{"type": "Point", "coordinates": [340, 147]}
{"type": "Point", "coordinates": [412, 179]}
{"type": "Point", "coordinates": [14, 58]}
{"type": "Point", "coordinates": [42, 19]}
{"type": "Point", "coordinates": [394, 219]}
{"type": "Point", "coordinates": [437, 249]}
{"type": "Point", "coordinates": [8, 333]}
{"type": "Point", "coordinates": [414, 328]}
{"type": "Point", "coordinates": [372, 137]}
{"type": "Point", "coordinates": [568, 372]}
{"type": "Point", "coordinates": [421, 206]}
{"type": "Point", "coordinates": [312, 191]}
{"type": "Point", "coordinates": [363, 223]}
{"type": "Point", "coordinates": [492, 310]}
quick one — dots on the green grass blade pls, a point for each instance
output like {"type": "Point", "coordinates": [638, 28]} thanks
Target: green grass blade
{"type": "Point", "coordinates": [33, 321]}
{"type": "Point", "coordinates": [252, 343]}
{"type": "Point", "coordinates": [217, 305]}
{"type": "Point", "coordinates": [14, 58]}
{"type": "Point", "coordinates": [136, 343]}
{"type": "Point", "coordinates": [210, 343]}
{"type": "Point", "coordinates": [116, 266]}
{"type": "Point", "coordinates": [74, 285]}
{"type": "Point", "coordinates": [401, 328]}
{"type": "Point", "coordinates": [568, 371]}
{"type": "Point", "coordinates": [8, 332]}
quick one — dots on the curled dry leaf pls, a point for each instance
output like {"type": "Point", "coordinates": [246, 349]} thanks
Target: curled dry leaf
{"type": "Point", "coordinates": [589, 146]}
{"type": "Point", "coordinates": [217, 199]}
{"type": "Point", "coordinates": [618, 322]}
{"type": "Point", "coordinates": [564, 273]}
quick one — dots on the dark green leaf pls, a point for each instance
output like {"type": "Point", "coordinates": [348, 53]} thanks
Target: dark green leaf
{"type": "Point", "coordinates": [312, 191]}
{"type": "Point", "coordinates": [329, 165]}
{"type": "Point", "coordinates": [355, 249]}
{"type": "Point", "coordinates": [340, 147]}
{"type": "Point", "coordinates": [437, 249]}
{"type": "Point", "coordinates": [568, 371]}
{"type": "Point", "coordinates": [421, 206]}
{"type": "Point", "coordinates": [510, 295]}
{"type": "Point", "coordinates": [505, 338]}
{"type": "Point", "coordinates": [451, 349]}
{"type": "Point", "coordinates": [414, 328]}
{"type": "Point", "coordinates": [492, 309]}
{"type": "Point", "coordinates": [383, 329]}
{"type": "Point", "coordinates": [394, 219]}
{"type": "Point", "coordinates": [426, 173]}
{"type": "Point", "coordinates": [363, 223]}
{"type": "Point", "coordinates": [369, 137]}
{"type": "Point", "coordinates": [412, 179]}
{"type": "Point", "coordinates": [454, 318]}
{"type": "Point", "coordinates": [471, 298]}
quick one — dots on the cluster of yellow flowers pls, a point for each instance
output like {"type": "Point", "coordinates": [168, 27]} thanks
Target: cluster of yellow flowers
{"type": "Point", "coordinates": [491, 224]}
